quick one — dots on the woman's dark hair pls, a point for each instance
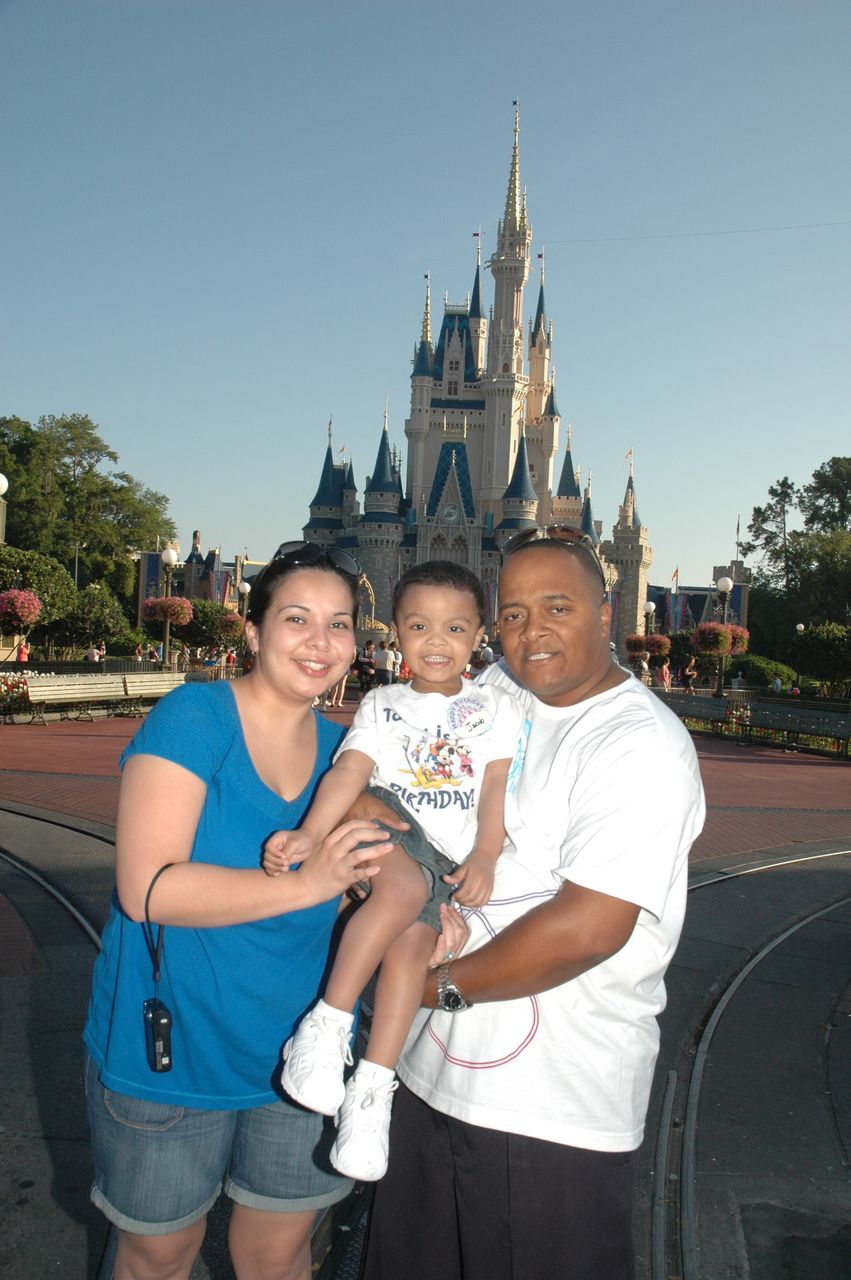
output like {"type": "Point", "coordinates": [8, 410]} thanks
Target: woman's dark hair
{"type": "Point", "coordinates": [269, 579]}
{"type": "Point", "coordinates": [441, 573]}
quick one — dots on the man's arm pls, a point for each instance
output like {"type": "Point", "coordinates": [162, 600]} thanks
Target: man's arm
{"type": "Point", "coordinates": [548, 946]}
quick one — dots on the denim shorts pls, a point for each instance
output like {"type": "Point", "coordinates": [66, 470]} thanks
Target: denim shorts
{"type": "Point", "coordinates": [417, 846]}
{"type": "Point", "coordinates": [159, 1168]}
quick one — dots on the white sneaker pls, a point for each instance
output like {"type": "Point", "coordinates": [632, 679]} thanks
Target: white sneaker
{"type": "Point", "coordinates": [363, 1129]}
{"type": "Point", "coordinates": [315, 1059]}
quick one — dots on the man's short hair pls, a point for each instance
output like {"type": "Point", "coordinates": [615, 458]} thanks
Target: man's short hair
{"type": "Point", "coordinates": [441, 573]}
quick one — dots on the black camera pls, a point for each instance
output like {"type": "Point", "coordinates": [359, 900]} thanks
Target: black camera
{"type": "Point", "coordinates": [157, 1035]}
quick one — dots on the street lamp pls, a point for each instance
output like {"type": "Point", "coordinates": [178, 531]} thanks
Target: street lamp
{"type": "Point", "coordinates": [244, 590]}
{"type": "Point", "coordinates": [649, 610]}
{"type": "Point", "coordinates": [800, 629]}
{"type": "Point", "coordinates": [4, 485]}
{"type": "Point", "coordinates": [78, 547]}
{"type": "Point", "coordinates": [724, 586]}
{"type": "Point", "coordinates": [169, 560]}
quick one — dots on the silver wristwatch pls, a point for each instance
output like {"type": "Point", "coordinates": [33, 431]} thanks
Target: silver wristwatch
{"type": "Point", "coordinates": [449, 997]}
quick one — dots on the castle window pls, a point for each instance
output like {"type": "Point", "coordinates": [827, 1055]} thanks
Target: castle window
{"type": "Point", "coordinates": [452, 388]}
{"type": "Point", "coordinates": [454, 366]}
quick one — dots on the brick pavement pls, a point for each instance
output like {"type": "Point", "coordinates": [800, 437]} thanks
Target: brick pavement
{"type": "Point", "coordinates": [759, 798]}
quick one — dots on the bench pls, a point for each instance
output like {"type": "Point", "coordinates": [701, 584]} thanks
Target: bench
{"type": "Point", "coordinates": [74, 695]}
{"type": "Point", "coordinates": [706, 710]}
{"type": "Point", "coordinates": [793, 721]}
{"type": "Point", "coordinates": [154, 685]}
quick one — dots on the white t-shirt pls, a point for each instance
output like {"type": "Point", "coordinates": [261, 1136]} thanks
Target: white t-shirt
{"type": "Point", "coordinates": [609, 797]}
{"type": "Point", "coordinates": [432, 750]}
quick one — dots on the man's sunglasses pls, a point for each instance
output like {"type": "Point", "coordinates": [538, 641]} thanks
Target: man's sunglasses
{"type": "Point", "coordinates": [306, 554]}
{"type": "Point", "coordinates": [564, 534]}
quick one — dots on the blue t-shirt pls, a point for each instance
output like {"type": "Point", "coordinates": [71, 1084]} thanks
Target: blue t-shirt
{"type": "Point", "coordinates": [234, 992]}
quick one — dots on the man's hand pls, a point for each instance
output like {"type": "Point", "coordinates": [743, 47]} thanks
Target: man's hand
{"type": "Point", "coordinates": [284, 848]}
{"type": "Point", "coordinates": [453, 938]}
{"type": "Point", "coordinates": [475, 879]}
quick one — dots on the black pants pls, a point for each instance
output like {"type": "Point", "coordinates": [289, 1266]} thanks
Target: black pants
{"type": "Point", "coordinates": [464, 1203]}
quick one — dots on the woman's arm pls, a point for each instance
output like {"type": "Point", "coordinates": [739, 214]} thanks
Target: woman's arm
{"type": "Point", "coordinates": [337, 791]}
{"type": "Point", "coordinates": [159, 808]}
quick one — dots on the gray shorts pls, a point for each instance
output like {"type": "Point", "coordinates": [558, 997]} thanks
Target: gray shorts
{"type": "Point", "coordinates": [417, 846]}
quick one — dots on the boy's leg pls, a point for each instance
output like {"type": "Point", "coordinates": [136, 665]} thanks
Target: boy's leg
{"type": "Point", "coordinates": [317, 1055]}
{"type": "Point", "coordinates": [399, 993]}
{"type": "Point", "coordinates": [396, 898]}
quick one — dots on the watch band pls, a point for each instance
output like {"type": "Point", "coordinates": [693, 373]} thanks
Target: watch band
{"type": "Point", "coordinates": [450, 998]}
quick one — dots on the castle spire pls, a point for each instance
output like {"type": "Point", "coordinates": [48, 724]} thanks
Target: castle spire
{"type": "Point", "coordinates": [513, 205]}
{"type": "Point", "coordinates": [475, 310]}
{"type": "Point", "coordinates": [426, 333]}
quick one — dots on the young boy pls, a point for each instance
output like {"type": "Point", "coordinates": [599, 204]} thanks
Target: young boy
{"type": "Point", "coordinates": [437, 751]}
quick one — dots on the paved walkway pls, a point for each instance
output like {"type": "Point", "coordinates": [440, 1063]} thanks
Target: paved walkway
{"type": "Point", "coordinates": [759, 798]}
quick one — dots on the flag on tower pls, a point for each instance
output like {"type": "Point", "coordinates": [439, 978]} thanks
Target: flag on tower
{"type": "Point", "coordinates": [628, 456]}
{"type": "Point", "coordinates": [675, 576]}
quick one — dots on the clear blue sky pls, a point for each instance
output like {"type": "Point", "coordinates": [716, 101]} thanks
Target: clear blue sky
{"type": "Point", "coordinates": [216, 217]}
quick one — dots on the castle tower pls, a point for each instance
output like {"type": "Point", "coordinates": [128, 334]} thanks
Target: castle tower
{"type": "Point", "coordinates": [629, 552]}
{"type": "Point", "coordinates": [520, 500]}
{"type": "Point", "coordinates": [505, 383]}
{"type": "Point", "coordinates": [326, 510]}
{"type": "Point", "coordinates": [381, 527]}
{"type": "Point", "coordinates": [567, 500]}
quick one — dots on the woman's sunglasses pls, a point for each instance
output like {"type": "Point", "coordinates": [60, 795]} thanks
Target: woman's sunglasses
{"type": "Point", "coordinates": [565, 534]}
{"type": "Point", "coordinates": [307, 554]}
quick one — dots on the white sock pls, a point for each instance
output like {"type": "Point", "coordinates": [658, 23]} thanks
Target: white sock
{"type": "Point", "coordinates": [335, 1015]}
{"type": "Point", "coordinates": [374, 1073]}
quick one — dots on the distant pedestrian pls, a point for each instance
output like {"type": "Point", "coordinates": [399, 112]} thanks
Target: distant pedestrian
{"type": "Point", "coordinates": [92, 653]}
{"type": "Point", "coordinates": [688, 674]}
{"type": "Point", "coordinates": [23, 653]}
{"type": "Point", "coordinates": [384, 663]}
{"type": "Point", "coordinates": [777, 685]}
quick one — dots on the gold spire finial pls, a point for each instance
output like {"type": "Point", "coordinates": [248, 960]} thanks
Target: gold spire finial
{"type": "Point", "coordinates": [426, 333]}
{"type": "Point", "coordinates": [511, 221]}
{"type": "Point", "coordinates": [330, 428]}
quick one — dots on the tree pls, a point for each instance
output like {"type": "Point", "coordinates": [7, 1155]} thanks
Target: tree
{"type": "Point", "coordinates": [769, 532]}
{"type": "Point", "coordinates": [824, 651]}
{"type": "Point", "coordinates": [208, 617]}
{"type": "Point", "coordinates": [94, 615]}
{"type": "Point", "coordinates": [70, 505]}
{"type": "Point", "coordinates": [29, 571]}
{"type": "Point", "coordinates": [826, 500]}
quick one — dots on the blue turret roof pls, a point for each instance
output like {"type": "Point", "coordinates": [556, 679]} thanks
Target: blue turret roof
{"type": "Point", "coordinates": [586, 522]}
{"type": "Point", "coordinates": [349, 482]}
{"type": "Point", "coordinates": [567, 486]}
{"type": "Point", "coordinates": [476, 300]}
{"type": "Point", "coordinates": [540, 325]}
{"type": "Point", "coordinates": [452, 454]}
{"type": "Point", "coordinates": [551, 408]}
{"type": "Point", "coordinates": [383, 479]}
{"type": "Point", "coordinates": [453, 320]}
{"type": "Point", "coordinates": [422, 363]}
{"type": "Point", "coordinates": [330, 491]}
{"type": "Point", "coordinates": [520, 486]}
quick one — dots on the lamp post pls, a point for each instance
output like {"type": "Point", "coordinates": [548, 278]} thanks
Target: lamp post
{"type": "Point", "coordinates": [800, 629]}
{"type": "Point", "coordinates": [4, 485]}
{"type": "Point", "coordinates": [78, 547]}
{"type": "Point", "coordinates": [724, 586]}
{"type": "Point", "coordinates": [169, 560]}
{"type": "Point", "coordinates": [244, 590]}
{"type": "Point", "coordinates": [649, 610]}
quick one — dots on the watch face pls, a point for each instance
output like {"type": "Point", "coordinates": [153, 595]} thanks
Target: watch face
{"type": "Point", "coordinates": [452, 1000]}
{"type": "Point", "coordinates": [450, 513]}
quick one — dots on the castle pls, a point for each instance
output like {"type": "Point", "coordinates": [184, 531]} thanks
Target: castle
{"type": "Point", "coordinates": [483, 448]}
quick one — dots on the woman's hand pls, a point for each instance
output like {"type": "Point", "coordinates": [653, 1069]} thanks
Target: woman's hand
{"type": "Point", "coordinates": [454, 935]}
{"type": "Point", "coordinates": [337, 863]}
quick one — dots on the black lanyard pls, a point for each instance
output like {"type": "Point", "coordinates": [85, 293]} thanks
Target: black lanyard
{"type": "Point", "coordinates": [155, 949]}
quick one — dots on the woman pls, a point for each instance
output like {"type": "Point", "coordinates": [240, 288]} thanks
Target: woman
{"type": "Point", "coordinates": [215, 768]}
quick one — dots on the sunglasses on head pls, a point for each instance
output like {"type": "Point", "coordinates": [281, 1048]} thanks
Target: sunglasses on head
{"type": "Point", "coordinates": [564, 534]}
{"type": "Point", "coordinates": [306, 554]}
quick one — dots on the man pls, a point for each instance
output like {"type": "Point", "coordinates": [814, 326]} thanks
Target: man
{"type": "Point", "coordinates": [514, 1137]}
